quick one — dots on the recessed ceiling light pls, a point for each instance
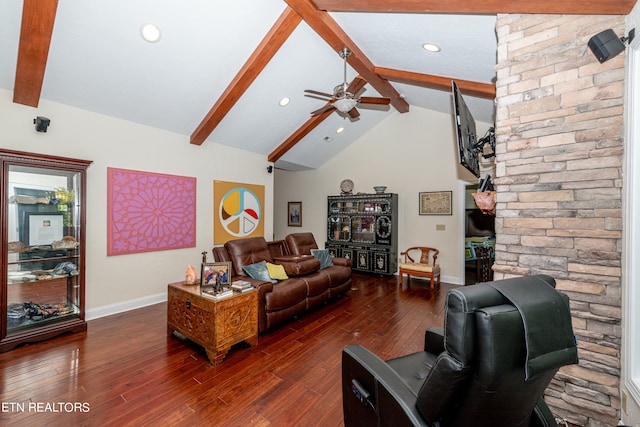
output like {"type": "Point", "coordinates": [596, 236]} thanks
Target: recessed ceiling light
{"type": "Point", "coordinates": [340, 130]}
{"type": "Point", "coordinates": [328, 139]}
{"type": "Point", "coordinates": [430, 47]}
{"type": "Point", "coordinates": [150, 32]}
{"type": "Point", "coordinates": [284, 101]}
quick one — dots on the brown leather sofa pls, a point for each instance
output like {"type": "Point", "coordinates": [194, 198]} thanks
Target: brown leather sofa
{"type": "Point", "coordinates": [307, 287]}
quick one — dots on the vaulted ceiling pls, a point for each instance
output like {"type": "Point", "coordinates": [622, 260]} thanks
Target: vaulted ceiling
{"type": "Point", "coordinates": [220, 67]}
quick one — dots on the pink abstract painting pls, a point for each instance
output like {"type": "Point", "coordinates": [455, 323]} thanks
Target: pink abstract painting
{"type": "Point", "coordinates": [149, 212]}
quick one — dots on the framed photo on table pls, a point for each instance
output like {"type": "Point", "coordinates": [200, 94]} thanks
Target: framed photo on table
{"type": "Point", "coordinates": [435, 203]}
{"type": "Point", "coordinates": [211, 271]}
{"type": "Point", "coordinates": [294, 214]}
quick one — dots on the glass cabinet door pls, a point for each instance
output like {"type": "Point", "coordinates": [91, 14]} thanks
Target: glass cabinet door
{"type": "Point", "coordinates": [42, 257]}
{"type": "Point", "coordinates": [339, 229]}
{"type": "Point", "coordinates": [363, 229]}
{"type": "Point", "coordinates": [42, 247]}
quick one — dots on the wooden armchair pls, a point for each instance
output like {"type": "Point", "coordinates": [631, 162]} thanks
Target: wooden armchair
{"type": "Point", "coordinates": [425, 266]}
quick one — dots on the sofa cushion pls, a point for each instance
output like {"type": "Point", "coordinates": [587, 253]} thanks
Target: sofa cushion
{"type": "Point", "coordinates": [337, 275]}
{"type": "Point", "coordinates": [276, 271]}
{"type": "Point", "coordinates": [285, 294]}
{"type": "Point", "coordinates": [301, 243]}
{"type": "Point", "coordinates": [246, 252]}
{"type": "Point", "coordinates": [317, 283]}
{"type": "Point", "coordinates": [416, 266]}
{"type": "Point", "coordinates": [259, 271]}
{"type": "Point", "coordinates": [323, 256]}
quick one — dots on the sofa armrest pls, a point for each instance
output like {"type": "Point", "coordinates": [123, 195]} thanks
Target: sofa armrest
{"type": "Point", "coordinates": [256, 283]}
{"type": "Point", "coordinates": [342, 262]}
{"type": "Point", "coordinates": [434, 341]}
{"type": "Point", "coordinates": [373, 393]}
{"type": "Point", "coordinates": [298, 265]}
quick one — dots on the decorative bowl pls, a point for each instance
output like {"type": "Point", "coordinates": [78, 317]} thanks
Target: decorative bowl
{"type": "Point", "coordinates": [380, 189]}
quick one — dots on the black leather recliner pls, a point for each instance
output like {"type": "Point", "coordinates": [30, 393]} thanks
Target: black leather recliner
{"type": "Point", "coordinates": [502, 344]}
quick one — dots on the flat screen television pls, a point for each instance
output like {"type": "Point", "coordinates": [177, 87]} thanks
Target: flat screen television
{"type": "Point", "coordinates": [465, 133]}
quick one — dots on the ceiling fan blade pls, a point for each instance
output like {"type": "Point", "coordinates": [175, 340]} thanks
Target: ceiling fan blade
{"type": "Point", "coordinates": [321, 98]}
{"type": "Point", "coordinates": [315, 92]}
{"type": "Point", "coordinates": [322, 110]}
{"type": "Point", "coordinates": [374, 100]}
{"type": "Point", "coordinates": [356, 85]}
{"type": "Point", "coordinates": [354, 113]}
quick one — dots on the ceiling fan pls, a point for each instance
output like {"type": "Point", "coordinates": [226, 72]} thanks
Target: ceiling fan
{"type": "Point", "coordinates": [344, 97]}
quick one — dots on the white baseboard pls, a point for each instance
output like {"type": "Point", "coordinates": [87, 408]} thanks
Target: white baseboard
{"type": "Point", "coordinates": [107, 310]}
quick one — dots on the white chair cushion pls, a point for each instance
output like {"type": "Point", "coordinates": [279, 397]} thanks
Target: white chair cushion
{"type": "Point", "coordinates": [416, 266]}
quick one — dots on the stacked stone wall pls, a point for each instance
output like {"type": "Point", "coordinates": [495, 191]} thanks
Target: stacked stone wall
{"type": "Point", "coordinates": [559, 152]}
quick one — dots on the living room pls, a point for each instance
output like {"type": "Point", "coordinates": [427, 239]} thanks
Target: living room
{"type": "Point", "coordinates": [116, 284]}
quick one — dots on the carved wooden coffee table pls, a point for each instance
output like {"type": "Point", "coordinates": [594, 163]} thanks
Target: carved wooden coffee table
{"type": "Point", "coordinates": [215, 324]}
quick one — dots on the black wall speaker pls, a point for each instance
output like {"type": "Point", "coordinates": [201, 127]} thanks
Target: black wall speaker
{"type": "Point", "coordinates": [42, 123]}
{"type": "Point", "coordinates": [606, 45]}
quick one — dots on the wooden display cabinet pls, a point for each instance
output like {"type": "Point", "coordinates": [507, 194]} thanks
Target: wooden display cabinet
{"type": "Point", "coordinates": [43, 247]}
{"type": "Point", "coordinates": [363, 227]}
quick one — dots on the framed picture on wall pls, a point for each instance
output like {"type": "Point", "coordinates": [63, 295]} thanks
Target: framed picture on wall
{"type": "Point", "coordinates": [294, 214]}
{"type": "Point", "coordinates": [435, 203]}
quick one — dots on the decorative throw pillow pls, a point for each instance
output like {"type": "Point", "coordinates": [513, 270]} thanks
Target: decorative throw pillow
{"type": "Point", "coordinates": [259, 271]}
{"type": "Point", "coordinates": [323, 256]}
{"type": "Point", "coordinates": [276, 271]}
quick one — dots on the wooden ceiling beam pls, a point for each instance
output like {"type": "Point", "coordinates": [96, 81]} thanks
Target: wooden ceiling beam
{"type": "Point", "coordinates": [323, 24]}
{"type": "Point", "coordinates": [355, 86]}
{"type": "Point", "coordinates": [490, 7]}
{"type": "Point", "coordinates": [297, 136]}
{"type": "Point", "coordinates": [480, 90]}
{"type": "Point", "coordinates": [38, 17]}
{"type": "Point", "coordinates": [268, 47]}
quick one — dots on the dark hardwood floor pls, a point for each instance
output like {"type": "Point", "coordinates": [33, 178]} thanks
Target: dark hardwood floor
{"type": "Point", "coordinates": [126, 371]}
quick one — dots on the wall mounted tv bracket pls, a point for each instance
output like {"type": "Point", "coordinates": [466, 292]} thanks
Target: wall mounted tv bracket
{"type": "Point", "coordinates": [485, 184]}
{"type": "Point", "coordinates": [489, 138]}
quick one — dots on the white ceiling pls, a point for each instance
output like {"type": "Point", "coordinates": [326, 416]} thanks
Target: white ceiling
{"type": "Point", "coordinates": [99, 62]}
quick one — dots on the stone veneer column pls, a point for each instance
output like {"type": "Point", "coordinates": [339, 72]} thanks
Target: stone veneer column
{"type": "Point", "coordinates": [559, 131]}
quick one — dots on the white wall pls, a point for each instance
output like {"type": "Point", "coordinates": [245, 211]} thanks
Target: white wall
{"type": "Point", "coordinates": [409, 153]}
{"type": "Point", "coordinates": [122, 282]}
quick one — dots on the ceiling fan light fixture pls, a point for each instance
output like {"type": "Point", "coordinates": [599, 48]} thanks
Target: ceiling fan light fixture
{"type": "Point", "coordinates": [345, 105]}
{"type": "Point", "coordinates": [431, 47]}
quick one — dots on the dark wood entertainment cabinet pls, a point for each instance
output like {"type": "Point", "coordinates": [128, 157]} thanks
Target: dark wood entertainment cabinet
{"type": "Point", "coordinates": [363, 227]}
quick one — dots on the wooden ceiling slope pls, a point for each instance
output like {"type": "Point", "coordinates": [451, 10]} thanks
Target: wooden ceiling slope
{"type": "Point", "coordinates": [275, 38]}
{"type": "Point", "coordinates": [327, 28]}
{"type": "Point", "coordinates": [356, 86]}
{"type": "Point", "coordinates": [312, 12]}
{"type": "Point", "coordinates": [38, 17]}
{"type": "Point", "coordinates": [490, 7]}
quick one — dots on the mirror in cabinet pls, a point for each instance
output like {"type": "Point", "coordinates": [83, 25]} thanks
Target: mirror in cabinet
{"type": "Point", "coordinates": [43, 246]}
{"type": "Point", "coordinates": [363, 229]}
{"type": "Point", "coordinates": [339, 228]}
